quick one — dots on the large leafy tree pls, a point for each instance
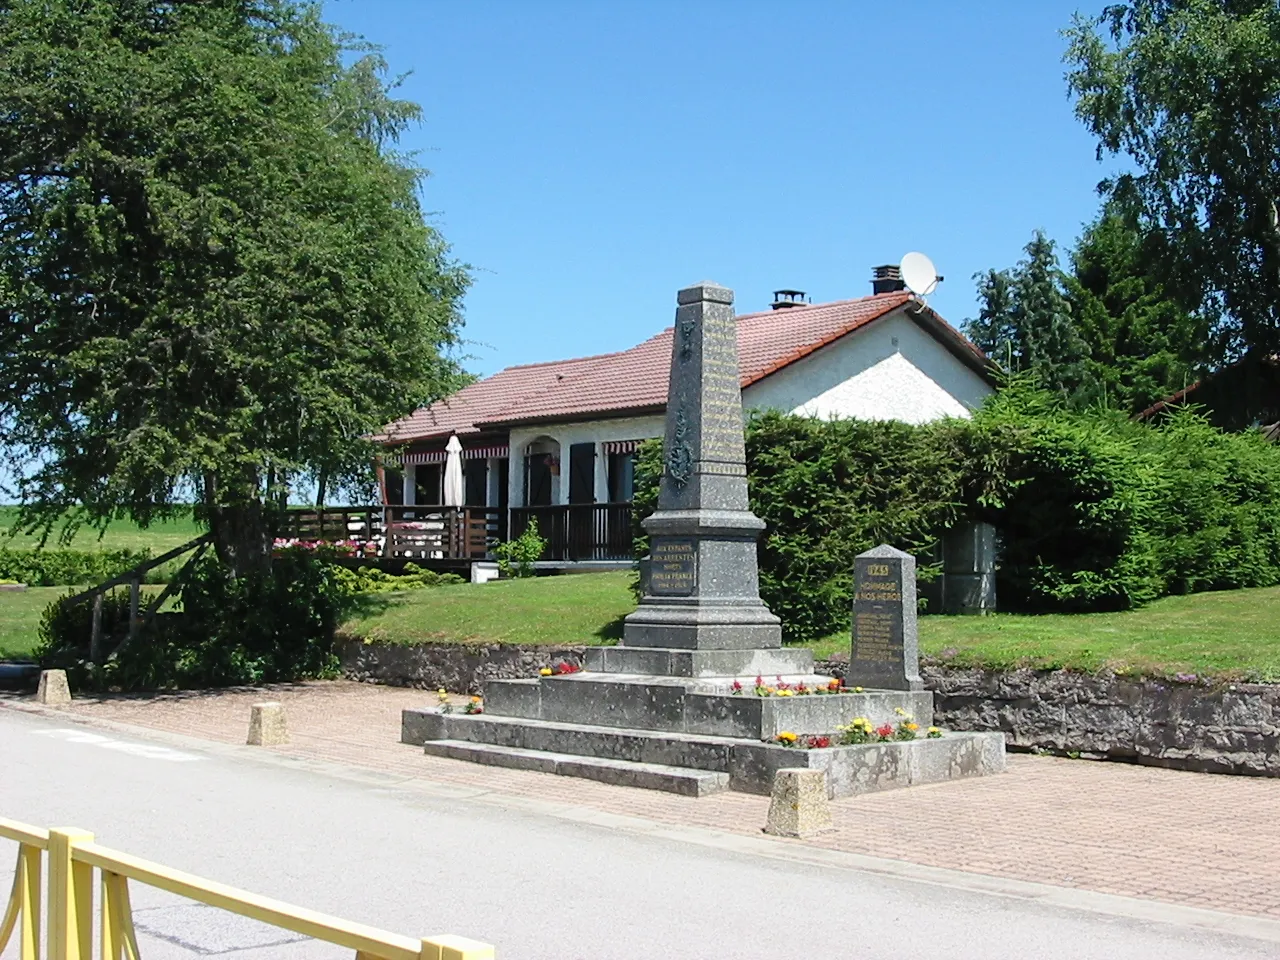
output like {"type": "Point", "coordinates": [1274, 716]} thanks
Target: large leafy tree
{"type": "Point", "coordinates": [214, 270]}
{"type": "Point", "coordinates": [1188, 91]}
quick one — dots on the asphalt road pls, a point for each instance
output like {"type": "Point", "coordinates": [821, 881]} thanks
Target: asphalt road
{"type": "Point", "coordinates": [536, 884]}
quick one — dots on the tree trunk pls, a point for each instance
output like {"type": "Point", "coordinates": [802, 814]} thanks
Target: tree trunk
{"type": "Point", "coordinates": [321, 482]}
{"type": "Point", "coordinates": [242, 536]}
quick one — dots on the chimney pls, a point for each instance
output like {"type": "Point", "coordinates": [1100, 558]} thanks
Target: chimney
{"type": "Point", "coordinates": [886, 279]}
{"type": "Point", "coordinates": [784, 299]}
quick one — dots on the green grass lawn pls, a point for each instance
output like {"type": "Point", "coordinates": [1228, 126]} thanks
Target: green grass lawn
{"type": "Point", "coordinates": [20, 613]}
{"type": "Point", "coordinates": [1232, 634]}
{"type": "Point", "coordinates": [20, 618]}
{"type": "Point", "coordinates": [583, 608]}
{"type": "Point", "coordinates": [119, 535]}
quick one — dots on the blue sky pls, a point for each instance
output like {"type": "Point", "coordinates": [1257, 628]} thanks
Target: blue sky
{"type": "Point", "coordinates": [590, 157]}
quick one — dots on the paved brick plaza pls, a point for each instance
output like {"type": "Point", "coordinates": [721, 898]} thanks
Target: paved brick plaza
{"type": "Point", "coordinates": [1195, 839]}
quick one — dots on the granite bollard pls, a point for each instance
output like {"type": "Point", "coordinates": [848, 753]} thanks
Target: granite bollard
{"type": "Point", "coordinates": [798, 806]}
{"type": "Point", "coordinates": [53, 690]}
{"type": "Point", "coordinates": [267, 727]}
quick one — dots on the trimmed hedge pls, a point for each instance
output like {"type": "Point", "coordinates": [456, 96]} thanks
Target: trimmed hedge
{"type": "Point", "coordinates": [1094, 511]}
{"type": "Point", "coordinates": [67, 568]}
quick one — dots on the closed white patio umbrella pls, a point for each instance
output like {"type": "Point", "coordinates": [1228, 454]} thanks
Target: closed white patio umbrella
{"type": "Point", "coordinates": [453, 473]}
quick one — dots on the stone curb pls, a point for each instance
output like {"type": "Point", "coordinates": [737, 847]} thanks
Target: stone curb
{"type": "Point", "coordinates": [795, 851]}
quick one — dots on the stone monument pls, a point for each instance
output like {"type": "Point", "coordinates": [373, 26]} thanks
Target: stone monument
{"type": "Point", "coordinates": [885, 653]}
{"type": "Point", "coordinates": [699, 693]}
{"type": "Point", "coordinates": [703, 591]}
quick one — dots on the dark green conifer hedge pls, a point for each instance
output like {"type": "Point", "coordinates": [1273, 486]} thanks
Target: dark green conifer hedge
{"type": "Point", "coordinates": [1093, 510]}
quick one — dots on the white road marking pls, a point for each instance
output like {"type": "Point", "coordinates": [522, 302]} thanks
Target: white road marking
{"type": "Point", "coordinates": [147, 750]}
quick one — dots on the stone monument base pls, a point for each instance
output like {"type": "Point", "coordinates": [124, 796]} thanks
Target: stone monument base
{"type": "Point", "coordinates": [681, 727]}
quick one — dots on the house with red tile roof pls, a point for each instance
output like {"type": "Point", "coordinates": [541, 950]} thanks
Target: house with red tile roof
{"type": "Point", "coordinates": [555, 442]}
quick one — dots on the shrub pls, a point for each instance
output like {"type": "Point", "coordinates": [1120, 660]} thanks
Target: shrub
{"type": "Point", "coordinates": [231, 631]}
{"type": "Point", "coordinates": [1093, 510]}
{"type": "Point", "coordinates": [516, 557]}
{"type": "Point", "coordinates": [67, 568]}
{"type": "Point", "coordinates": [827, 491]}
{"type": "Point", "coordinates": [367, 580]}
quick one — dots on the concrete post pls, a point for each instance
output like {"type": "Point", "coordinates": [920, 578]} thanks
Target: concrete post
{"type": "Point", "coordinates": [267, 726]}
{"type": "Point", "coordinates": [53, 690]}
{"type": "Point", "coordinates": [798, 806]}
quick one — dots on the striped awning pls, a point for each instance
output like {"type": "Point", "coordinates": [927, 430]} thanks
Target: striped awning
{"type": "Point", "coordinates": [486, 453]}
{"type": "Point", "coordinates": [622, 446]}
{"type": "Point", "coordinates": [439, 456]}
{"type": "Point", "coordinates": [430, 456]}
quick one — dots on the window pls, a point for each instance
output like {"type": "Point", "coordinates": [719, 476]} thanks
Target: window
{"type": "Point", "coordinates": [621, 477]}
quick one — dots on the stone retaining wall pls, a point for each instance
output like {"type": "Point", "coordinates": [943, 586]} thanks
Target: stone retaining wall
{"type": "Point", "coordinates": [1231, 728]}
{"type": "Point", "coordinates": [1194, 725]}
{"type": "Point", "coordinates": [459, 668]}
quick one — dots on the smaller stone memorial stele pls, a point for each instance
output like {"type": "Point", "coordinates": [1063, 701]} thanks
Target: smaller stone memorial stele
{"type": "Point", "coordinates": [885, 653]}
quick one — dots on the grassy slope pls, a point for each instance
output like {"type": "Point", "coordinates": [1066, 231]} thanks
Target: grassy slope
{"type": "Point", "coordinates": [586, 608]}
{"type": "Point", "coordinates": [120, 535]}
{"type": "Point", "coordinates": [1229, 634]}
{"type": "Point", "coordinates": [20, 614]}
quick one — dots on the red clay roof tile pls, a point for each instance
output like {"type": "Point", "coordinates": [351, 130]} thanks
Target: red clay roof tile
{"type": "Point", "coordinates": [635, 380]}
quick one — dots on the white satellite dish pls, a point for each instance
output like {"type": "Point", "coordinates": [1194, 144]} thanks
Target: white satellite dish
{"type": "Point", "coordinates": [918, 274]}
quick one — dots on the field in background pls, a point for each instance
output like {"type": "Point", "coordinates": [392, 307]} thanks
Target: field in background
{"type": "Point", "coordinates": [119, 535]}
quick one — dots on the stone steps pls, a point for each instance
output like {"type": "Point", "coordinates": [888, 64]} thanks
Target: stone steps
{"type": "Point", "coordinates": [625, 773]}
{"type": "Point", "coordinates": [663, 748]}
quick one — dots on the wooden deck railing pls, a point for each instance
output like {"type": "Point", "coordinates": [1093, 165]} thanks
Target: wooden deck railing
{"type": "Point", "coordinates": [575, 531]}
{"type": "Point", "coordinates": [442, 533]}
{"type": "Point", "coordinates": [579, 531]}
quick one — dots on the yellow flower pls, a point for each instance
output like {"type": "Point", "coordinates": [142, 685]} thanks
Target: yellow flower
{"type": "Point", "coordinates": [857, 689]}
{"type": "Point", "coordinates": [475, 699]}
{"type": "Point", "coordinates": [770, 691]}
{"type": "Point", "coordinates": [786, 736]}
{"type": "Point", "coordinates": [913, 727]}
{"type": "Point", "coordinates": [786, 693]}
{"type": "Point", "coordinates": [934, 730]}
{"type": "Point", "coordinates": [545, 671]}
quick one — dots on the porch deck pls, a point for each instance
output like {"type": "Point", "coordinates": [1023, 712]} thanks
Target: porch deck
{"type": "Point", "coordinates": [588, 533]}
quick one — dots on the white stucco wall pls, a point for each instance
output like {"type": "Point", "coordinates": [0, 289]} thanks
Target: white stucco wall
{"type": "Point", "coordinates": [567, 434]}
{"type": "Point", "coordinates": [893, 370]}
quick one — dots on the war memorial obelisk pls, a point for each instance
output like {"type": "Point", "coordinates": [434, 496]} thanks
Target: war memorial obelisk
{"type": "Point", "coordinates": [703, 590]}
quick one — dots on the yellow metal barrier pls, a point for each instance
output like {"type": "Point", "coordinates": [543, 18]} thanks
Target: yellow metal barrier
{"type": "Point", "coordinates": [73, 856]}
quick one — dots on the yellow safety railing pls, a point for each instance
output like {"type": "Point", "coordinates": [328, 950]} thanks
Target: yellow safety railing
{"type": "Point", "coordinates": [73, 856]}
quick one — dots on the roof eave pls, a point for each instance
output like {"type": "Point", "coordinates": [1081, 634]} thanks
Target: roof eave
{"type": "Point", "coordinates": [617, 413]}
